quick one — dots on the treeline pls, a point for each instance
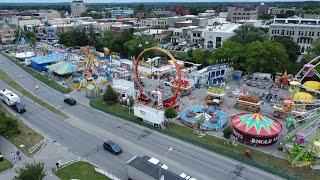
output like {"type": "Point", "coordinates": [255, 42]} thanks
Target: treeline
{"type": "Point", "coordinates": [126, 43]}
{"type": "Point", "coordinates": [251, 50]}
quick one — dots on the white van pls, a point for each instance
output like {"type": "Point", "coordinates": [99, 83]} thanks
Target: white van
{"type": "Point", "coordinates": [9, 97]}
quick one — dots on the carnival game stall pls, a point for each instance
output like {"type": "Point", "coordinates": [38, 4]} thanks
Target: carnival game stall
{"type": "Point", "coordinates": [248, 103]}
{"type": "Point", "coordinates": [259, 80]}
{"type": "Point", "coordinates": [215, 96]}
{"type": "Point", "coordinates": [256, 129]}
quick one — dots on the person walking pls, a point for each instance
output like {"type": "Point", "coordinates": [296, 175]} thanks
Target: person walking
{"type": "Point", "coordinates": [18, 155]}
{"type": "Point", "coordinates": [14, 158]}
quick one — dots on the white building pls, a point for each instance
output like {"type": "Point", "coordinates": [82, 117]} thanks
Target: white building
{"type": "Point", "coordinates": [177, 36]}
{"type": "Point", "coordinates": [158, 34]}
{"type": "Point", "coordinates": [195, 35]}
{"type": "Point", "coordinates": [214, 36]}
{"type": "Point", "coordinates": [77, 7]}
{"type": "Point", "coordinates": [302, 31]}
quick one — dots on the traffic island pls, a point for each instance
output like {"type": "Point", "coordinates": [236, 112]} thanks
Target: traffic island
{"type": "Point", "coordinates": [4, 164]}
{"type": "Point", "coordinates": [25, 138]}
{"type": "Point", "coordinates": [79, 170]}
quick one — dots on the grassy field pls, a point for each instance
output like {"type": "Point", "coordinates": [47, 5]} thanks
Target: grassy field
{"type": "Point", "coordinates": [267, 162]}
{"type": "Point", "coordinates": [27, 137]}
{"type": "Point", "coordinates": [39, 76]}
{"type": "Point", "coordinates": [114, 109]}
{"type": "Point", "coordinates": [5, 164]}
{"type": "Point", "coordinates": [79, 170]}
{"type": "Point", "coordinates": [4, 77]}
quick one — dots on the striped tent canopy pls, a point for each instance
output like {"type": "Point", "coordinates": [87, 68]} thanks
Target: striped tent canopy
{"type": "Point", "coordinates": [256, 125]}
{"type": "Point", "coordinates": [62, 68]}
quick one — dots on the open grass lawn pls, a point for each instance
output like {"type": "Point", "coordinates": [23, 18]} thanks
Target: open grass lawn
{"type": "Point", "coordinates": [79, 170]}
{"type": "Point", "coordinates": [39, 76]}
{"type": "Point", "coordinates": [27, 136]}
{"type": "Point", "coordinates": [264, 161]}
{"type": "Point", "coordinates": [4, 77]}
{"type": "Point", "coordinates": [4, 165]}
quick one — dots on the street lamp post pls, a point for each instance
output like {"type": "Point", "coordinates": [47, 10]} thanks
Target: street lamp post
{"type": "Point", "coordinates": [169, 150]}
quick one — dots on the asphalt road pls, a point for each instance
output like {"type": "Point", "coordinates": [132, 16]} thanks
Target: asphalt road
{"type": "Point", "coordinates": [86, 129]}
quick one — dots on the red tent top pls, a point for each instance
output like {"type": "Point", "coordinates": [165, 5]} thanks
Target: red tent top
{"type": "Point", "coordinates": [256, 124]}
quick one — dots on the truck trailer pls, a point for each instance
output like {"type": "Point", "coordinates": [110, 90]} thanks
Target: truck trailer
{"type": "Point", "coordinates": [9, 97]}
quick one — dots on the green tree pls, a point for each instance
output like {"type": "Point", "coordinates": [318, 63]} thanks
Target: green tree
{"type": "Point", "coordinates": [8, 125]}
{"type": "Point", "coordinates": [170, 113]}
{"type": "Point", "coordinates": [246, 34]}
{"type": "Point", "coordinates": [138, 43]}
{"type": "Point", "coordinates": [198, 56]}
{"type": "Point", "coordinates": [266, 57]}
{"type": "Point", "coordinates": [315, 49]}
{"type": "Point", "coordinates": [34, 171]}
{"type": "Point", "coordinates": [110, 96]}
{"type": "Point", "coordinates": [67, 39]}
{"type": "Point", "coordinates": [292, 48]}
{"type": "Point", "coordinates": [227, 132]}
{"type": "Point", "coordinates": [167, 38]}
{"type": "Point", "coordinates": [230, 52]}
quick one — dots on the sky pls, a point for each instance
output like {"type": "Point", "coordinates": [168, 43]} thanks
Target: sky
{"type": "Point", "coordinates": [128, 1]}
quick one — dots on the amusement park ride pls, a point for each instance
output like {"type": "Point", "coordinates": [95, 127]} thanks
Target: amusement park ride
{"type": "Point", "coordinates": [302, 118]}
{"type": "Point", "coordinates": [145, 95]}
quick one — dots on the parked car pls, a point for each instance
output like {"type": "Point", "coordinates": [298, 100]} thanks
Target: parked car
{"type": "Point", "coordinates": [156, 162]}
{"type": "Point", "coordinates": [19, 108]}
{"type": "Point", "coordinates": [71, 101]}
{"type": "Point", "coordinates": [112, 147]}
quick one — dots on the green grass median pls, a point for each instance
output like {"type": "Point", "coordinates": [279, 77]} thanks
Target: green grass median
{"type": "Point", "coordinates": [79, 170]}
{"type": "Point", "coordinates": [8, 80]}
{"type": "Point", "coordinates": [27, 137]}
{"type": "Point", "coordinates": [5, 164]}
{"type": "Point", "coordinates": [236, 151]}
{"type": "Point", "coordinates": [38, 75]}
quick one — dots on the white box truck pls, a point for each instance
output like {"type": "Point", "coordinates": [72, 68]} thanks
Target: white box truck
{"type": "Point", "coordinates": [149, 115]}
{"type": "Point", "coordinates": [9, 97]}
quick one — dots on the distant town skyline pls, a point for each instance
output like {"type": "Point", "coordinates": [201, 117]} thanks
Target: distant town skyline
{"type": "Point", "coordinates": [141, 1]}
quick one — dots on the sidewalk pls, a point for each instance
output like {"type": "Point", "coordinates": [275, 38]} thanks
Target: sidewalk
{"type": "Point", "coordinates": [50, 154]}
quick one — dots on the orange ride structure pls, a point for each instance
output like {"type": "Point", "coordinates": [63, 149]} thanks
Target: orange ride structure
{"type": "Point", "coordinates": [144, 95]}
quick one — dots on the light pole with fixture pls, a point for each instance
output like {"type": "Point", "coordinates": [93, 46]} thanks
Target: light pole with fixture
{"type": "Point", "coordinates": [169, 150]}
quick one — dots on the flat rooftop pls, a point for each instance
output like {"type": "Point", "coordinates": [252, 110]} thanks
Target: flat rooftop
{"type": "Point", "coordinates": [227, 28]}
{"type": "Point", "coordinates": [142, 164]}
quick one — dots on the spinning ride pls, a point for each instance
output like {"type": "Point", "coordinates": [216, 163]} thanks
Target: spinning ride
{"type": "Point", "coordinates": [145, 95]}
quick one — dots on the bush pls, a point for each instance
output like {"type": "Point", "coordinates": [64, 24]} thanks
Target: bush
{"type": "Point", "coordinates": [170, 113]}
{"type": "Point", "coordinates": [33, 171]}
{"type": "Point", "coordinates": [227, 132]}
{"type": "Point", "coordinates": [8, 125]}
{"type": "Point", "coordinates": [110, 96]}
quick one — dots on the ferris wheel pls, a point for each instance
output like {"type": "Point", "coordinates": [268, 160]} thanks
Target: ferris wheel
{"type": "Point", "coordinates": [311, 69]}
